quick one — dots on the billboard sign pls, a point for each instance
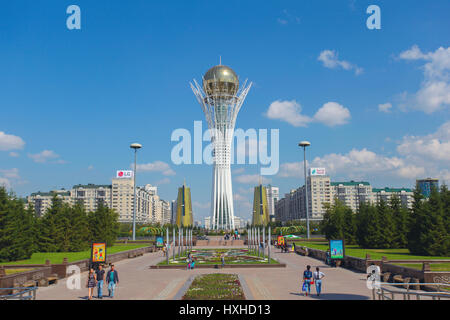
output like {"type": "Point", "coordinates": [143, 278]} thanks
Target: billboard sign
{"type": "Point", "coordinates": [317, 172]}
{"type": "Point", "coordinates": [98, 252]}
{"type": "Point", "coordinates": [123, 174]}
{"type": "Point", "coordinates": [159, 242]}
{"type": "Point", "coordinates": [337, 249]}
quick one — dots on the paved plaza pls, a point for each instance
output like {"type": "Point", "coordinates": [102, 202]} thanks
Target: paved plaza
{"type": "Point", "coordinates": [139, 282]}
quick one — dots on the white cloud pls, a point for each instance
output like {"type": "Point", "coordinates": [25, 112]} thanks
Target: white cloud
{"type": "Point", "coordinates": [434, 93]}
{"type": "Point", "coordinates": [10, 142]}
{"type": "Point", "coordinates": [252, 179]}
{"type": "Point", "coordinates": [157, 166]}
{"type": "Point", "coordinates": [238, 171]}
{"type": "Point", "coordinates": [288, 111]}
{"type": "Point", "coordinates": [435, 146]}
{"type": "Point", "coordinates": [291, 170]}
{"type": "Point", "coordinates": [91, 167]}
{"type": "Point", "coordinates": [162, 181]}
{"type": "Point", "coordinates": [332, 114]}
{"type": "Point", "coordinates": [9, 176]}
{"type": "Point", "coordinates": [14, 154]}
{"type": "Point", "coordinates": [44, 156]}
{"type": "Point", "coordinates": [385, 107]}
{"type": "Point", "coordinates": [417, 157]}
{"type": "Point", "coordinates": [330, 60]}
{"type": "Point", "coordinates": [10, 173]}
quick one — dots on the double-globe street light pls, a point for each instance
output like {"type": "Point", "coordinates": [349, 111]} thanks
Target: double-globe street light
{"type": "Point", "coordinates": [304, 144]}
{"type": "Point", "coordinates": [134, 146]}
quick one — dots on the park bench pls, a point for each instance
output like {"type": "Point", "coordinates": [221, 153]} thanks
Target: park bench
{"type": "Point", "coordinates": [46, 281]}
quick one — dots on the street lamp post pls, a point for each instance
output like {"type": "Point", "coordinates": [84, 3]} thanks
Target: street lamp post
{"type": "Point", "coordinates": [134, 146]}
{"type": "Point", "coordinates": [304, 144]}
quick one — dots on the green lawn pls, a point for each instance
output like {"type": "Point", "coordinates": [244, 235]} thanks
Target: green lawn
{"type": "Point", "coordinates": [13, 271]}
{"type": "Point", "coordinates": [57, 257]}
{"type": "Point", "coordinates": [433, 266]}
{"type": "Point", "coordinates": [376, 254]}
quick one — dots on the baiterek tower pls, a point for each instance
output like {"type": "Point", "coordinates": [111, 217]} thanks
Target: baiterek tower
{"type": "Point", "coordinates": [221, 99]}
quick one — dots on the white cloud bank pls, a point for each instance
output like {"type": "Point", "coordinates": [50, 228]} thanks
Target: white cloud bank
{"type": "Point", "coordinates": [330, 114]}
{"type": "Point", "coordinates": [434, 92]}
{"type": "Point", "coordinates": [418, 157]}
{"type": "Point", "coordinates": [10, 142]}
{"type": "Point", "coordinates": [45, 156]}
{"type": "Point", "coordinates": [157, 166]}
{"type": "Point", "coordinates": [330, 59]}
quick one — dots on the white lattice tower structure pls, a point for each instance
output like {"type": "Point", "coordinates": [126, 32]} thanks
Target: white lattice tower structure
{"type": "Point", "coordinates": [221, 99]}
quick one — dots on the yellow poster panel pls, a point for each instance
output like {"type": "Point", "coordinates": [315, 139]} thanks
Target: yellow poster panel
{"type": "Point", "coordinates": [99, 252]}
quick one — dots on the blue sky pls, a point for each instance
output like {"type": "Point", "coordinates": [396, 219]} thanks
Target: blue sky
{"type": "Point", "coordinates": [373, 103]}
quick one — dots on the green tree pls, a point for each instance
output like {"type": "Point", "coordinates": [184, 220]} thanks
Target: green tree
{"type": "Point", "coordinates": [50, 228]}
{"type": "Point", "coordinates": [401, 222]}
{"type": "Point", "coordinates": [103, 225]}
{"type": "Point", "coordinates": [428, 233]}
{"type": "Point", "coordinates": [387, 226]}
{"type": "Point", "coordinates": [79, 231]}
{"type": "Point", "coordinates": [368, 224]}
{"type": "Point", "coordinates": [339, 222]}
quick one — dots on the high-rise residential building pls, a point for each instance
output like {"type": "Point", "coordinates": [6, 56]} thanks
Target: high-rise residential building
{"type": "Point", "coordinates": [260, 209]}
{"type": "Point", "coordinates": [122, 198]}
{"type": "Point", "coordinates": [353, 193]}
{"type": "Point", "coordinates": [208, 223]}
{"type": "Point", "coordinates": [221, 99]}
{"type": "Point", "coordinates": [272, 198]}
{"type": "Point", "coordinates": [405, 195]}
{"type": "Point", "coordinates": [293, 205]}
{"type": "Point", "coordinates": [91, 195]}
{"type": "Point", "coordinates": [426, 185]}
{"type": "Point", "coordinates": [319, 193]}
{"type": "Point", "coordinates": [239, 223]}
{"type": "Point", "coordinates": [41, 201]}
{"type": "Point", "coordinates": [166, 212]}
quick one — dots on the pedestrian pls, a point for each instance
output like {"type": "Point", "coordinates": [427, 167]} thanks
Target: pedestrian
{"type": "Point", "coordinates": [112, 278]}
{"type": "Point", "coordinates": [193, 263]}
{"type": "Point", "coordinates": [318, 276]}
{"type": "Point", "coordinates": [100, 277]}
{"type": "Point", "coordinates": [222, 257]}
{"type": "Point", "coordinates": [307, 276]}
{"type": "Point", "coordinates": [91, 282]}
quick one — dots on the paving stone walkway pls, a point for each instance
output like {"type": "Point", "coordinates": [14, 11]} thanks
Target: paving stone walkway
{"type": "Point", "coordinates": [138, 282]}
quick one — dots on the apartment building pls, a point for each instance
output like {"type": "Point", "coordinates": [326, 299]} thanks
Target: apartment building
{"type": "Point", "coordinates": [352, 193]}
{"type": "Point", "coordinates": [91, 195]}
{"type": "Point", "coordinates": [272, 197]}
{"type": "Point", "coordinates": [41, 201]}
{"type": "Point", "coordinates": [405, 195]}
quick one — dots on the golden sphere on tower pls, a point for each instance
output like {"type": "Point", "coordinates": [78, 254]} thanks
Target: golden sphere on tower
{"type": "Point", "coordinates": [220, 81]}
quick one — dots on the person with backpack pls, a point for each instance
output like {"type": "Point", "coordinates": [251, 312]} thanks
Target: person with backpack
{"type": "Point", "coordinates": [307, 277]}
{"type": "Point", "coordinates": [318, 276]}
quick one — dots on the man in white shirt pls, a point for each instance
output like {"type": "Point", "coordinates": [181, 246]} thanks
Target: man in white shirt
{"type": "Point", "coordinates": [318, 276]}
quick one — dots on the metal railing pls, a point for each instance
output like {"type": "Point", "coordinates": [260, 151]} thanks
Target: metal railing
{"type": "Point", "coordinates": [25, 293]}
{"type": "Point", "coordinates": [384, 293]}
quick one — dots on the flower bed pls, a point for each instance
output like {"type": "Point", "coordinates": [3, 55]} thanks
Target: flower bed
{"type": "Point", "coordinates": [215, 286]}
{"type": "Point", "coordinates": [213, 256]}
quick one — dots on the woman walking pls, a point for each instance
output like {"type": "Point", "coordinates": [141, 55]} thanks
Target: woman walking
{"type": "Point", "coordinates": [307, 275]}
{"type": "Point", "coordinates": [318, 276]}
{"type": "Point", "coordinates": [91, 283]}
